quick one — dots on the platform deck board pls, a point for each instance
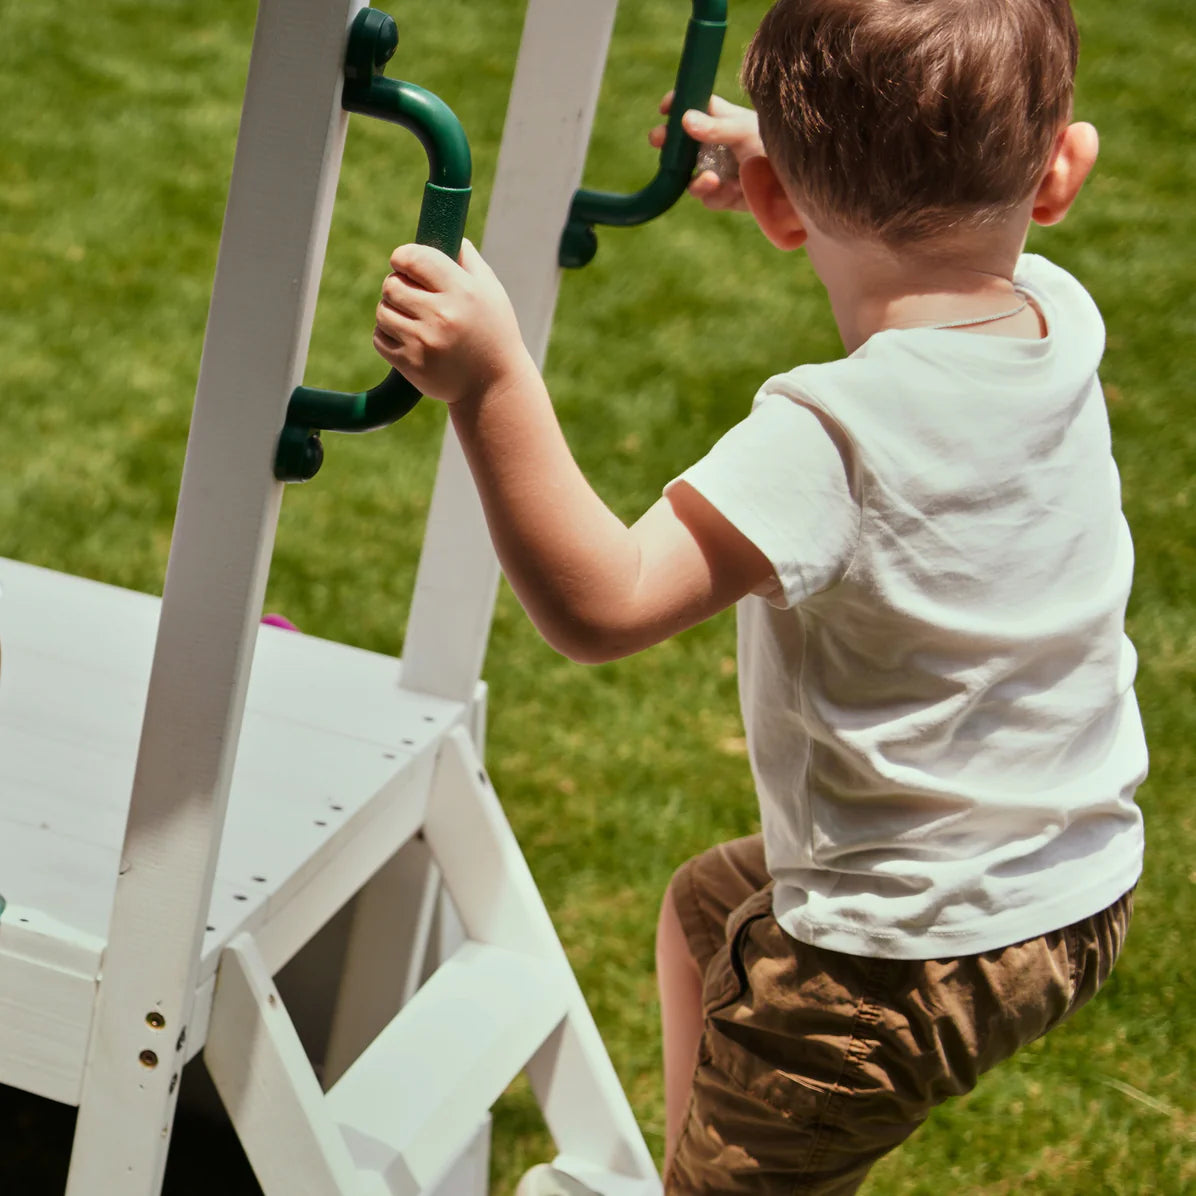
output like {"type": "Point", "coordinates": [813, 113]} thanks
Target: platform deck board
{"type": "Point", "coordinates": [328, 735]}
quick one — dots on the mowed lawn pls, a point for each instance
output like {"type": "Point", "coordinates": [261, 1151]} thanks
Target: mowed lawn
{"type": "Point", "coordinates": [117, 128]}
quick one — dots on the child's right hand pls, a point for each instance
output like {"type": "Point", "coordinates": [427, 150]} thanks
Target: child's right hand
{"type": "Point", "coordinates": [448, 327]}
{"type": "Point", "coordinates": [722, 124]}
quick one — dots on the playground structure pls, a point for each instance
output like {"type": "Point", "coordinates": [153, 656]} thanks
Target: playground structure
{"type": "Point", "coordinates": [188, 797]}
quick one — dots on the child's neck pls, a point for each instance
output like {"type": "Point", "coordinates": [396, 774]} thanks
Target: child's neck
{"type": "Point", "coordinates": [967, 283]}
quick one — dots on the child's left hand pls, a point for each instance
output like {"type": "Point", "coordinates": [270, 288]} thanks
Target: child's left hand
{"type": "Point", "coordinates": [447, 327]}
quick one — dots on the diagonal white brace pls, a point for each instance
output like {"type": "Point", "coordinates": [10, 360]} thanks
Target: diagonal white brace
{"type": "Point", "coordinates": [579, 1092]}
{"type": "Point", "coordinates": [268, 1087]}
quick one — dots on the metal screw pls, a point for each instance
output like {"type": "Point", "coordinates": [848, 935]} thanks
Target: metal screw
{"type": "Point", "coordinates": [155, 1020]}
{"type": "Point", "coordinates": [385, 34]}
{"type": "Point", "coordinates": [148, 1059]}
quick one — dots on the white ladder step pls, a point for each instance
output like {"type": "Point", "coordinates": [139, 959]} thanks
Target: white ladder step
{"type": "Point", "coordinates": [607, 1182]}
{"type": "Point", "coordinates": [417, 1094]}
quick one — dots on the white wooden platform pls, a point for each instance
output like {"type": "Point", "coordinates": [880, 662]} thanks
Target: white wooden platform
{"type": "Point", "coordinates": [332, 776]}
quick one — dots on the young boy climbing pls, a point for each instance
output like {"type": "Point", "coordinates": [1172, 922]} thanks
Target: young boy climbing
{"type": "Point", "coordinates": [925, 543]}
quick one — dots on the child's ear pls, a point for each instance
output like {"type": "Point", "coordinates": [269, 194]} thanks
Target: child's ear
{"type": "Point", "coordinates": [769, 203]}
{"type": "Point", "coordinates": [1071, 159]}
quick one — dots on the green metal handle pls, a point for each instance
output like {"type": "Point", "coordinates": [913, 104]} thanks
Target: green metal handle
{"type": "Point", "coordinates": [678, 155]}
{"type": "Point", "coordinates": [373, 38]}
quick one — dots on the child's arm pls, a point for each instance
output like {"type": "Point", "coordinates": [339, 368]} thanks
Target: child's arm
{"type": "Point", "coordinates": [595, 588]}
{"type": "Point", "coordinates": [722, 124]}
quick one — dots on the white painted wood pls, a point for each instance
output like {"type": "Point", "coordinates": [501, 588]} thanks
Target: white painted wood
{"type": "Point", "coordinates": [306, 755]}
{"type": "Point", "coordinates": [578, 1090]}
{"type": "Point", "coordinates": [267, 275]}
{"type": "Point", "coordinates": [201, 1013]}
{"type": "Point", "coordinates": [470, 1173]}
{"type": "Point", "coordinates": [478, 717]}
{"type": "Point", "coordinates": [67, 882]}
{"type": "Point", "coordinates": [67, 744]}
{"type": "Point", "coordinates": [553, 96]}
{"type": "Point", "coordinates": [42, 608]}
{"type": "Point", "coordinates": [383, 827]}
{"type": "Point", "coordinates": [584, 1105]}
{"type": "Point", "coordinates": [45, 1009]}
{"type": "Point", "coordinates": [606, 1181]}
{"type": "Point", "coordinates": [447, 932]}
{"type": "Point", "coordinates": [385, 955]}
{"type": "Point", "coordinates": [267, 1085]}
{"type": "Point", "coordinates": [51, 621]}
{"type": "Point", "coordinates": [415, 1097]}
{"type": "Point", "coordinates": [288, 780]}
{"type": "Point", "coordinates": [30, 933]}
{"type": "Point", "coordinates": [555, 91]}
{"type": "Point", "coordinates": [485, 871]}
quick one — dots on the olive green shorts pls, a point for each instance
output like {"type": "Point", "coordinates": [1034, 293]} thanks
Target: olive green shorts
{"type": "Point", "coordinates": [814, 1064]}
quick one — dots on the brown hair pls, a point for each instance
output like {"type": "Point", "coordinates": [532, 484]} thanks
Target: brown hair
{"type": "Point", "coordinates": [899, 119]}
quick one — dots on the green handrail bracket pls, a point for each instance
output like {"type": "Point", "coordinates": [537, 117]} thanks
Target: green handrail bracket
{"type": "Point", "coordinates": [678, 155]}
{"type": "Point", "coordinates": [373, 39]}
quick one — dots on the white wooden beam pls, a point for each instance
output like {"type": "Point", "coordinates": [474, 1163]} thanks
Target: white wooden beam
{"type": "Point", "coordinates": [385, 955]}
{"type": "Point", "coordinates": [46, 995]}
{"type": "Point", "coordinates": [555, 91]}
{"type": "Point", "coordinates": [272, 248]}
{"type": "Point", "coordinates": [268, 1087]}
{"type": "Point", "coordinates": [580, 1095]}
{"type": "Point", "coordinates": [411, 1104]}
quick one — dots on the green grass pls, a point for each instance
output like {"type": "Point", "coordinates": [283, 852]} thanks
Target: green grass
{"type": "Point", "coordinates": [116, 142]}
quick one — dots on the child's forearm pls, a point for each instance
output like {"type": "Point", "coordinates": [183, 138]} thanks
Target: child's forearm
{"type": "Point", "coordinates": [571, 561]}
{"type": "Point", "coordinates": [595, 588]}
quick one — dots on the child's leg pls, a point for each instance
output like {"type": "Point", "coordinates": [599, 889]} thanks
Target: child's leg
{"type": "Point", "coordinates": [703, 895]}
{"type": "Point", "coordinates": [680, 984]}
{"type": "Point", "coordinates": [692, 930]}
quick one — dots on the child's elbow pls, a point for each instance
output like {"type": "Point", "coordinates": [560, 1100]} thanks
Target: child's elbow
{"type": "Point", "coordinates": [590, 641]}
{"type": "Point", "coordinates": [594, 653]}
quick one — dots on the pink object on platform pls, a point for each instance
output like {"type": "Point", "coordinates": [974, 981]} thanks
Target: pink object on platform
{"type": "Point", "coordinates": [279, 621]}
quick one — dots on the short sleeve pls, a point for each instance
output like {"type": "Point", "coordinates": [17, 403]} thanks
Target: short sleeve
{"type": "Point", "coordinates": [785, 482]}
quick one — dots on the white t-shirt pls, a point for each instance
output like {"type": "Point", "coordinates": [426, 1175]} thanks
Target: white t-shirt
{"type": "Point", "coordinates": [938, 696]}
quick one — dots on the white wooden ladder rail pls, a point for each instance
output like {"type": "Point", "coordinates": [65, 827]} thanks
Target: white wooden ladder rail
{"type": "Point", "coordinates": [300, 1140]}
{"type": "Point", "coordinates": [401, 1116]}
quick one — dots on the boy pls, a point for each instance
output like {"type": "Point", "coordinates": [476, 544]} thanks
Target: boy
{"type": "Point", "coordinates": [931, 567]}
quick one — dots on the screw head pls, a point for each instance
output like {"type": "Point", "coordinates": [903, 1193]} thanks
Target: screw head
{"type": "Point", "coordinates": [373, 38]}
{"type": "Point", "coordinates": [299, 454]}
{"type": "Point", "coordinates": [386, 40]}
{"type": "Point", "coordinates": [313, 457]}
{"type": "Point", "coordinates": [578, 245]}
